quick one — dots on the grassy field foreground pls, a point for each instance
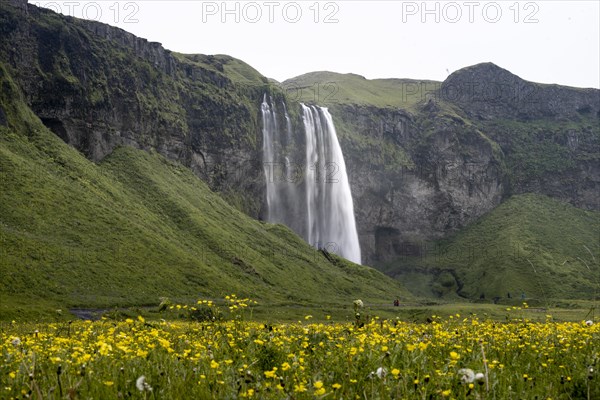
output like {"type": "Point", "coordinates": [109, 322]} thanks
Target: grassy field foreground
{"type": "Point", "coordinates": [222, 355]}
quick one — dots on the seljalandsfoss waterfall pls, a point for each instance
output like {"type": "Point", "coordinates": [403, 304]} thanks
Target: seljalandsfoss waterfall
{"type": "Point", "coordinates": [307, 185]}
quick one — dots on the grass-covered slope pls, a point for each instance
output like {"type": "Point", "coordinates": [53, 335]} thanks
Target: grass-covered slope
{"type": "Point", "coordinates": [328, 88]}
{"type": "Point", "coordinates": [560, 158]}
{"type": "Point", "coordinates": [137, 227]}
{"type": "Point", "coordinates": [530, 244]}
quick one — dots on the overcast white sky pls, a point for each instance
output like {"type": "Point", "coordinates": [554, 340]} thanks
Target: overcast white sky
{"type": "Point", "coordinates": [548, 41]}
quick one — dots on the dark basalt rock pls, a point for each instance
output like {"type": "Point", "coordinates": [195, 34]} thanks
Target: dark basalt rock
{"type": "Point", "coordinates": [486, 91]}
{"type": "Point", "coordinates": [453, 176]}
{"type": "Point", "coordinates": [98, 87]}
{"type": "Point", "coordinates": [3, 120]}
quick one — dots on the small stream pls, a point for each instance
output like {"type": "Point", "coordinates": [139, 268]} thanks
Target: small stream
{"type": "Point", "coordinates": [91, 314]}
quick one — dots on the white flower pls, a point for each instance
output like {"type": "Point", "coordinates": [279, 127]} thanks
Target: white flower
{"type": "Point", "coordinates": [15, 341]}
{"type": "Point", "coordinates": [358, 303]}
{"type": "Point", "coordinates": [142, 385]}
{"type": "Point", "coordinates": [140, 382]}
{"type": "Point", "coordinates": [589, 322]}
{"type": "Point", "coordinates": [466, 375]}
{"type": "Point", "coordinates": [381, 372]}
{"type": "Point", "coordinates": [479, 376]}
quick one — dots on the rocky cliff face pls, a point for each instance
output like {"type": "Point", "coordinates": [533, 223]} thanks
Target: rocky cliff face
{"type": "Point", "coordinates": [99, 87]}
{"type": "Point", "coordinates": [417, 178]}
{"type": "Point", "coordinates": [421, 172]}
{"type": "Point", "coordinates": [486, 91]}
{"type": "Point", "coordinates": [549, 134]}
{"type": "Point", "coordinates": [417, 172]}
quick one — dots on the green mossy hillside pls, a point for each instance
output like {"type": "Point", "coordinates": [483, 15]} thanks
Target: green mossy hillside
{"type": "Point", "coordinates": [136, 227]}
{"type": "Point", "coordinates": [530, 245]}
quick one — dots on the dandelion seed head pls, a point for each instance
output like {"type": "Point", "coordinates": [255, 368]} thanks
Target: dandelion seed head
{"type": "Point", "coordinates": [381, 372]}
{"type": "Point", "coordinates": [139, 383]}
{"type": "Point", "coordinates": [466, 375]}
{"type": "Point", "coordinates": [142, 385]}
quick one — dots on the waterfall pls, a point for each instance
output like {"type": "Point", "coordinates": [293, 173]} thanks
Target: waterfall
{"type": "Point", "coordinates": [279, 169]}
{"type": "Point", "coordinates": [311, 196]}
{"type": "Point", "coordinates": [269, 120]}
{"type": "Point", "coordinates": [330, 209]}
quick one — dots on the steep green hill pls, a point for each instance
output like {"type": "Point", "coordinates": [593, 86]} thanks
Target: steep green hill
{"type": "Point", "coordinates": [136, 227]}
{"type": "Point", "coordinates": [328, 88]}
{"type": "Point", "coordinates": [530, 244]}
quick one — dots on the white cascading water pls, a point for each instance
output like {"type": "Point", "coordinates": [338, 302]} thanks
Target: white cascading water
{"type": "Point", "coordinates": [330, 209]}
{"type": "Point", "coordinates": [282, 206]}
{"type": "Point", "coordinates": [269, 120]}
{"type": "Point", "coordinates": [319, 207]}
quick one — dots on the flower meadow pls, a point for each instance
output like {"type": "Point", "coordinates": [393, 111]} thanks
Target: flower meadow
{"type": "Point", "coordinates": [222, 355]}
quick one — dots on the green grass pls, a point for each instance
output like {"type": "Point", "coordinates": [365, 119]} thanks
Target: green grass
{"type": "Point", "coordinates": [136, 227]}
{"type": "Point", "coordinates": [235, 358]}
{"type": "Point", "coordinates": [543, 149]}
{"type": "Point", "coordinates": [328, 88]}
{"type": "Point", "coordinates": [236, 70]}
{"type": "Point", "coordinates": [419, 311]}
{"type": "Point", "coordinates": [530, 244]}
